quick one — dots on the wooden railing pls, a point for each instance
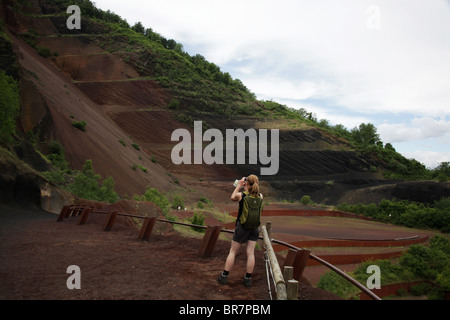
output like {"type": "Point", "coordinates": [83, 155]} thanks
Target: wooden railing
{"type": "Point", "coordinates": [286, 283]}
{"type": "Point", "coordinates": [280, 283]}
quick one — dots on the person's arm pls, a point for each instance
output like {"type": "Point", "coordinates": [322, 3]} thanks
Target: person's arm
{"type": "Point", "coordinates": [236, 195]}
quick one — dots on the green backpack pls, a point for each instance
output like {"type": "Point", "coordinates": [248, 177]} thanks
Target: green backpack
{"type": "Point", "coordinates": [250, 217]}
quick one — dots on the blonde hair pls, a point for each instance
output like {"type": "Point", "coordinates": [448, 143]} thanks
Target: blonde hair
{"type": "Point", "coordinates": [253, 185]}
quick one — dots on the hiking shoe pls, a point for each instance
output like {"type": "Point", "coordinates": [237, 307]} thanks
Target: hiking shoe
{"type": "Point", "coordinates": [222, 279]}
{"type": "Point", "coordinates": [247, 282]}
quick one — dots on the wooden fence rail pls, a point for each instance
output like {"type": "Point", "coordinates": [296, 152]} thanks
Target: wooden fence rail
{"type": "Point", "coordinates": [278, 277]}
{"type": "Point", "coordinates": [286, 282]}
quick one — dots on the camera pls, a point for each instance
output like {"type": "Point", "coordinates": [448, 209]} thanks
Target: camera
{"type": "Point", "coordinates": [235, 184]}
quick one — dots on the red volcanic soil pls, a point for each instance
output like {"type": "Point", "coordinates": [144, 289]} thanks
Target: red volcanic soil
{"type": "Point", "coordinates": [36, 251]}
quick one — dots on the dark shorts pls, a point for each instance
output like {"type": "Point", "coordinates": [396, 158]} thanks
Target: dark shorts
{"type": "Point", "coordinates": [242, 235]}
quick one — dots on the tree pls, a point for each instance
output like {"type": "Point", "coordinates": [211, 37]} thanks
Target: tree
{"type": "Point", "coordinates": [443, 168]}
{"type": "Point", "coordinates": [424, 261]}
{"type": "Point", "coordinates": [171, 44]}
{"type": "Point", "coordinates": [389, 147]}
{"type": "Point", "coordinates": [138, 27]}
{"type": "Point", "coordinates": [365, 136]}
{"type": "Point", "coordinates": [341, 131]}
{"type": "Point", "coordinates": [86, 185]}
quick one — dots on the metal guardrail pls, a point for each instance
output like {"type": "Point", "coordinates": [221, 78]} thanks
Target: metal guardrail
{"type": "Point", "coordinates": [208, 240]}
{"type": "Point", "coordinates": [334, 268]}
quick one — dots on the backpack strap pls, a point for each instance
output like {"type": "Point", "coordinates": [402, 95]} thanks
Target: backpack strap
{"type": "Point", "coordinates": [241, 205]}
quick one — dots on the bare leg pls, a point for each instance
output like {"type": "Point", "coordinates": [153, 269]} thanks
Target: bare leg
{"type": "Point", "coordinates": [251, 256]}
{"type": "Point", "coordinates": [231, 255]}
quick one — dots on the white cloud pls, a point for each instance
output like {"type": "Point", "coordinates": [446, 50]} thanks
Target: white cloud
{"type": "Point", "coordinates": [419, 129]}
{"type": "Point", "coordinates": [431, 159]}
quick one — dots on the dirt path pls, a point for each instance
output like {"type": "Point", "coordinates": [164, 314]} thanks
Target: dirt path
{"type": "Point", "coordinates": [36, 250]}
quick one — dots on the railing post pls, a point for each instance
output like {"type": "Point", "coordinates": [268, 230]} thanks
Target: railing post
{"type": "Point", "coordinates": [300, 263]}
{"type": "Point", "coordinates": [290, 258]}
{"type": "Point", "coordinates": [298, 260]}
{"type": "Point", "coordinates": [209, 241]}
{"type": "Point", "coordinates": [62, 214]}
{"type": "Point", "coordinates": [147, 228]}
{"type": "Point", "coordinates": [288, 273]}
{"type": "Point", "coordinates": [110, 221]}
{"type": "Point", "coordinates": [269, 229]}
{"type": "Point", "coordinates": [291, 284]}
{"type": "Point", "coordinates": [292, 289]}
{"type": "Point", "coordinates": [83, 218]}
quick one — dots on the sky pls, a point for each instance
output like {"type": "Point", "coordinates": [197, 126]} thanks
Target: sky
{"type": "Point", "coordinates": [383, 62]}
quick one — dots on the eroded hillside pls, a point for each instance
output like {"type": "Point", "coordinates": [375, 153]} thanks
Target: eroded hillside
{"type": "Point", "coordinates": [133, 94]}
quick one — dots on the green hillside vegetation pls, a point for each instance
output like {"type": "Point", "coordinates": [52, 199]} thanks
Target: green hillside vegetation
{"type": "Point", "coordinates": [409, 214]}
{"type": "Point", "coordinates": [420, 263]}
{"type": "Point", "coordinates": [9, 106]}
{"type": "Point", "coordinates": [85, 184]}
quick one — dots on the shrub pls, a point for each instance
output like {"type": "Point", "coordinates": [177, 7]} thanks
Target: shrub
{"type": "Point", "coordinates": [441, 243]}
{"type": "Point", "coordinates": [57, 156]}
{"type": "Point", "coordinates": [206, 201]}
{"type": "Point", "coordinates": [443, 279]}
{"type": "Point", "coordinates": [178, 202]}
{"type": "Point", "coordinates": [406, 213]}
{"type": "Point", "coordinates": [329, 183]}
{"type": "Point", "coordinates": [391, 273]}
{"type": "Point", "coordinates": [306, 200]}
{"type": "Point", "coordinates": [442, 177]}
{"type": "Point", "coordinates": [174, 104]}
{"type": "Point", "coordinates": [153, 195]}
{"type": "Point", "coordinates": [44, 52]}
{"type": "Point", "coordinates": [442, 204]}
{"type": "Point", "coordinates": [106, 191]}
{"type": "Point", "coordinates": [424, 261]}
{"type": "Point", "coordinates": [420, 289]}
{"type": "Point", "coordinates": [199, 220]}
{"type": "Point", "coordinates": [54, 147]}
{"type": "Point", "coordinates": [144, 169]}
{"type": "Point", "coordinates": [80, 125]}
{"type": "Point", "coordinates": [333, 282]}
{"type": "Point", "coordinates": [86, 185]}
{"type": "Point", "coordinates": [136, 146]}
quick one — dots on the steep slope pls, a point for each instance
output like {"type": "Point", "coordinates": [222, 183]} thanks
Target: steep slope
{"type": "Point", "coordinates": [55, 103]}
{"type": "Point", "coordinates": [100, 142]}
{"type": "Point", "coordinates": [132, 89]}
